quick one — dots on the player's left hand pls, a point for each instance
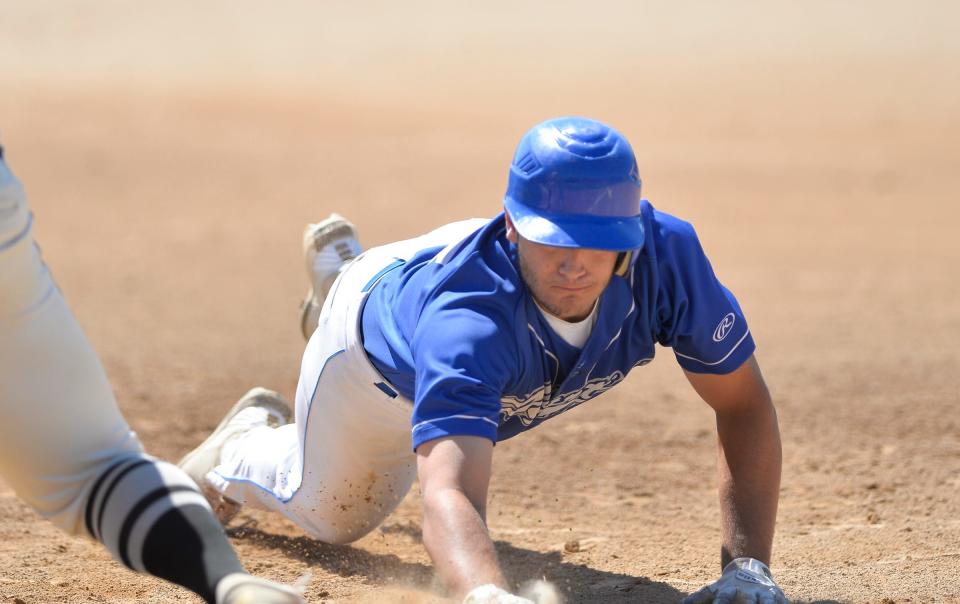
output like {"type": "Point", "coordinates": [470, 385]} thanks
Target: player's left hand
{"type": "Point", "coordinates": [745, 580]}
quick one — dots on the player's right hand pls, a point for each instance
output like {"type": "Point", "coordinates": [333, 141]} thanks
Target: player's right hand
{"type": "Point", "coordinates": [491, 594]}
{"type": "Point", "coordinates": [744, 581]}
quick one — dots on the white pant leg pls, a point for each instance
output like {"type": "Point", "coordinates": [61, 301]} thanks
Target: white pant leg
{"type": "Point", "coordinates": [60, 426]}
{"type": "Point", "coordinates": [348, 461]}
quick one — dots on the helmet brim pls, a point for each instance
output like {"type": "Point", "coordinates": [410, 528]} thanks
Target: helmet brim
{"type": "Point", "coordinates": [616, 234]}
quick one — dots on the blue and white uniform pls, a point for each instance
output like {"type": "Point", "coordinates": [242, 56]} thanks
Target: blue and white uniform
{"type": "Point", "coordinates": [461, 337]}
{"type": "Point", "coordinates": [438, 336]}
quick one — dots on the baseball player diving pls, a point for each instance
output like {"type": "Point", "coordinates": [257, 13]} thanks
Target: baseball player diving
{"type": "Point", "coordinates": [66, 450]}
{"type": "Point", "coordinates": [423, 354]}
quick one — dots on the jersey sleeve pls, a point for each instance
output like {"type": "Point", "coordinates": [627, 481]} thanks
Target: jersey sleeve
{"type": "Point", "coordinates": [697, 316]}
{"type": "Point", "coordinates": [463, 358]}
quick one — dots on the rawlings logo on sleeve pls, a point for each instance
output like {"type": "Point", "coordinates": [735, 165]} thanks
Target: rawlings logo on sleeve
{"type": "Point", "coordinates": [723, 329]}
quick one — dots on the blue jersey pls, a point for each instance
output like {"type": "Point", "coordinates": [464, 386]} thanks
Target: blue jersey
{"type": "Point", "coordinates": [455, 330]}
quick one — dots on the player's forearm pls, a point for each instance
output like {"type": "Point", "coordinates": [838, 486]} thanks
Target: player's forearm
{"type": "Point", "coordinates": [457, 540]}
{"type": "Point", "coordinates": [749, 464]}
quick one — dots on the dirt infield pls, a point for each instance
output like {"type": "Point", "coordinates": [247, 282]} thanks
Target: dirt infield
{"type": "Point", "coordinates": [818, 160]}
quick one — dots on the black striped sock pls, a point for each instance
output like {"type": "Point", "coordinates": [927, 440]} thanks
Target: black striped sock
{"type": "Point", "coordinates": [153, 519]}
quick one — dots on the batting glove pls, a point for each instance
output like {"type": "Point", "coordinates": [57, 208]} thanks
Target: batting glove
{"type": "Point", "coordinates": [491, 594]}
{"type": "Point", "coordinates": [745, 580]}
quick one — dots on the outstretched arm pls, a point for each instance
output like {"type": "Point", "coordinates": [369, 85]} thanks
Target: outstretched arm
{"type": "Point", "coordinates": [749, 460]}
{"type": "Point", "coordinates": [454, 474]}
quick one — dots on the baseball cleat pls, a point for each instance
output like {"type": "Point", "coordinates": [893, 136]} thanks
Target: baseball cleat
{"type": "Point", "coordinates": [258, 407]}
{"type": "Point", "coordinates": [241, 588]}
{"type": "Point", "coordinates": [328, 246]}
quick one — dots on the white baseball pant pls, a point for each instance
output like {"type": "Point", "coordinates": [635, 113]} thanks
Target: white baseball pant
{"type": "Point", "coordinates": [347, 461]}
{"type": "Point", "coordinates": [60, 426]}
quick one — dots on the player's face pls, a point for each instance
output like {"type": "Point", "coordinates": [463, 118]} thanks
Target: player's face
{"type": "Point", "coordinates": [565, 281]}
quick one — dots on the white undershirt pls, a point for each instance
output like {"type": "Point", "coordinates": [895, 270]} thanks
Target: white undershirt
{"type": "Point", "coordinates": [574, 334]}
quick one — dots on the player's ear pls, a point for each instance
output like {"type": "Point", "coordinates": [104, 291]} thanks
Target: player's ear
{"type": "Point", "coordinates": [512, 236]}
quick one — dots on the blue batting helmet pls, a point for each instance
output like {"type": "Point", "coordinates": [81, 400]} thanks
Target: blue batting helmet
{"type": "Point", "coordinates": [574, 183]}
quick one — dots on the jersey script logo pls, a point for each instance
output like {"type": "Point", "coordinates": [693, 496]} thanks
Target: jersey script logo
{"type": "Point", "coordinates": [533, 406]}
{"type": "Point", "coordinates": [723, 329]}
